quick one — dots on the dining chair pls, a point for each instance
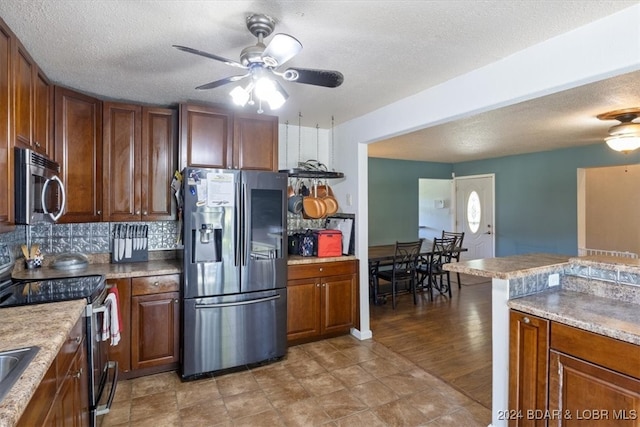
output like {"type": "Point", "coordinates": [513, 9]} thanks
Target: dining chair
{"type": "Point", "coordinates": [458, 244]}
{"type": "Point", "coordinates": [430, 268]}
{"type": "Point", "coordinates": [403, 270]}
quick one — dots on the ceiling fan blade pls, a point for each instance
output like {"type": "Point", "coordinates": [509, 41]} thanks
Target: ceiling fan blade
{"type": "Point", "coordinates": [280, 49]}
{"type": "Point", "coordinates": [326, 78]}
{"type": "Point", "coordinates": [210, 56]}
{"type": "Point", "coordinates": [221, 82]}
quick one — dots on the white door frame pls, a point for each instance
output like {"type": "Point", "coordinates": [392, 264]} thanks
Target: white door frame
{"type": "Point", "coordinates": [454, 199]}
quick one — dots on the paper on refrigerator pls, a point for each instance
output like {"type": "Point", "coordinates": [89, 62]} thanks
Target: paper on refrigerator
{"type": "Point", "coordinates": [220, 189]}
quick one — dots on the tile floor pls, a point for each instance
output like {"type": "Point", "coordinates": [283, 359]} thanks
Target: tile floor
{"type": "Point", "coordinates": [335, 382]}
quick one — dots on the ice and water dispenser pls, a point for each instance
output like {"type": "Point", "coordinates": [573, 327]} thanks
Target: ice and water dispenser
{"type": "Point", "coordinates": [206, 235]}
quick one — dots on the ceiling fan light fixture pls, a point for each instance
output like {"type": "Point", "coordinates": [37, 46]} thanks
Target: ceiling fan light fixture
{"type": "Point", "coordinates": [625, 136]}
{"type": "Point", "coordinates": [240, 95]}
{"type": "Point", "coordinates": [623, 143]}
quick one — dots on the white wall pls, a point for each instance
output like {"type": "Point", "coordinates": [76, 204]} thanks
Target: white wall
{"type": "Point", "coordinates": [432, 219]}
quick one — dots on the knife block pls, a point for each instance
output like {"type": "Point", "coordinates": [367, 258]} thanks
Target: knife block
{"type": "Point", "coordinates": [130, 244]}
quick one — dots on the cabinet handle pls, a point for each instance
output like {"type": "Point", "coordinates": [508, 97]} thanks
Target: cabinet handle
{"type": "Point", "coordinates": [144, 212]}
{"type": "Point", "coordinates": [137, 212]}
{"type": "Point", "coordinates": [324, 284]}
{"type": "Point", "coordinates": [78, 339]}
{"type": "Point", "coordinates": [321, 269]}
{"type": "Point", "coordinates": [78, 374]}
{"type": "Point", "coordinates": [526, 320]}
{"type": "Point", "coordinates": [317, 285]}
{"type": "Point", "coordinates": [156, 284]}
{"type": "Point", "coordinates": [37, 144]}
{"type": "Point", "coordinates": [175, 301]}
{"type": "Point", "coordinates": [99, 212]}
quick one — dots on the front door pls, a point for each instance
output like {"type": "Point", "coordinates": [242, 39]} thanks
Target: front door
{"type": "Point", "coordinates": [474, 215]}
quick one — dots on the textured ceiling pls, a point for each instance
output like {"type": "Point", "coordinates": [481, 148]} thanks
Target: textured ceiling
{"type": "Point", "coordinates": [387, 50]}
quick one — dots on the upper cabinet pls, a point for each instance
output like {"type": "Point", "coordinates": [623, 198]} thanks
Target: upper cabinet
{"type": "Point", "coordinates": [255, 142]}
{"type": "Point", "coordinates": [139, 159]}
{"type": "Point", "coordinates": [33, 117]}
{"type": "Point", "coordinates": [212, 137]}
{"type": "Point", "coordinates": [78, 150]}
{"type": "Point", "coordinates": [6, 142]}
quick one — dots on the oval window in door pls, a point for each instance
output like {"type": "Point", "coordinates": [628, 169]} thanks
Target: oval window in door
{"type": "Point", "coordinates": [473, 212]}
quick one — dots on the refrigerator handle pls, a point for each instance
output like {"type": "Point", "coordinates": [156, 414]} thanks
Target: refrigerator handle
{"type": "Point", "coordinates": [238, 229]}
{"type": "Point", "coordinates": [233, 304]}
{"type": "Point", "coordinates": [245, 216]}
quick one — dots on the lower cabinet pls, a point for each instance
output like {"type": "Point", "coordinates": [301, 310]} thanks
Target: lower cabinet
{"type": "Point", "coordinates": [62, 398]}
{"type": "Point", "coordinates": [149, 340]}
{"type": "Point", "coordinates": [321, 300]}
{"type": "Point", "coordinates": [592, 380]}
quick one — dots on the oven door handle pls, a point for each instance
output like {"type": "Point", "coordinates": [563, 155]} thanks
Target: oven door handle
{"type": "Point", "coordinates": [104, 409]}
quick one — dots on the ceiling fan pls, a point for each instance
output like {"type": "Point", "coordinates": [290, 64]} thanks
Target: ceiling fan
{"type": "Point", "coordinates": [263, 61]}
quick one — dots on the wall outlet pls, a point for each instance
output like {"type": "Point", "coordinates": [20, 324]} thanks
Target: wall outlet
{"type": "Point", "coordinates": [554, 279]}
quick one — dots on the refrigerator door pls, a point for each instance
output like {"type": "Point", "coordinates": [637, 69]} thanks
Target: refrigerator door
{"type": "Point", "coordinates": [211, 215]}
{"type": "Point", "coordinates": [264, 231]}
{"type": "Point", "coordinates": [232, 331]}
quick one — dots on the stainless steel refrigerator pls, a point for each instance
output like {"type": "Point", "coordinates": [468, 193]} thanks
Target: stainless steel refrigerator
{"type": "Point", "coordinates": [235, 269]}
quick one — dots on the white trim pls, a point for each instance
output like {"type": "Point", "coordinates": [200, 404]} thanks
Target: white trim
{"type": "Point", "coordinates": [361, 335]}
{"type": "Point", "coordinates": [493, 209]}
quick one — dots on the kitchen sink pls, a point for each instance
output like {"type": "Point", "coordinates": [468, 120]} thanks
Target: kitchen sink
{"type": "Point", "coordinates": [12, 365]}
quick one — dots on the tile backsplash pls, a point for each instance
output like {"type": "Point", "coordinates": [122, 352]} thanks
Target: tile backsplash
{"type": "Point", "coordinates": [95, 237]}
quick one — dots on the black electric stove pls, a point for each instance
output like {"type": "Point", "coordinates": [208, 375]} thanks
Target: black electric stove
{"type": "Point", "coordinates": [24, 292]}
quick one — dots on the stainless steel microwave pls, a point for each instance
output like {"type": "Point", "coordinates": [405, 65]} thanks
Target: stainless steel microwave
{"type": "Point", "coordinates": [39, 192]}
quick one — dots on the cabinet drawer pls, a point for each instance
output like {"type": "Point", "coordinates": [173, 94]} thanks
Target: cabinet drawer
{"type": "Point", "coordinates": [608, 352]}
{"type": "Point", "coordinates": [70, 346]}
{"type": "Point", "coordinates": [321, 269]}
{"type": "Point", "coordinates": [155, 284]}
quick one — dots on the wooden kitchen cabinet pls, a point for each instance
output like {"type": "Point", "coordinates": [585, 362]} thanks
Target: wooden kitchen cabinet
{"type": "Point", "coordinates": [78, 150]}
{"type": "Point", "coordinates": [593, 378]}
{"type": "Point", "coordinates": [214, 137]}
{"type": "Point", "coordinates": [62, 398]}
{"type": "Point", "coordinates": [139, 160]}
{"type": "Point", "coordinates": [6, 141]}
{"type": "Point", "coordinates": [528, 367]}
{"type": "Point", "coordinates": [562, 375]}
{"type": "Point", "coordinates": [149, 336]}
{"type": "Point", "coordinates": [255, 142]}
{"type": "Point", "coordinates": [33, 104]}
{"type": "Point", "coordinates": [155, 322]}
{"type": "Point", "coordinates": [321, 300]}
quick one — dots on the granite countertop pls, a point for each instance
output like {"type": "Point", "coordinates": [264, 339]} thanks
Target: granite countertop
{"type": "Point", "coordinates": [605, 316]}
{"type": "Point", "coordinates": [110, 271]}
{"type": "Point", "coordinates": [510, 267]}
{"type": "Point", "coordinates": [45, 326]}
{"type": "Point", "coordinates": [297, 259]}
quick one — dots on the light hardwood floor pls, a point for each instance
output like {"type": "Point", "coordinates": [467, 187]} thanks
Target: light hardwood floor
{"type": "Point", "coordinates": [448, 338]}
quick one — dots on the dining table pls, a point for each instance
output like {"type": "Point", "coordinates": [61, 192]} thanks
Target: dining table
{"type": "Point", "coordinates": [382, 255]}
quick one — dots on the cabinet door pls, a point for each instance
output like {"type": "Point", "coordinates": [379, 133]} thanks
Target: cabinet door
{"type": "Point", "coordinates": [42, 114]}
{"type": "Point", "coordinates": [586, 394]}
{"type": "Point", "coordinates": [6, 141]}
{"type": "Point", "coordinates": [41, 402]}
{"type": "Point", "coordinates": [121, 353]}
{"type": "Point", "coordinates": [155, 328]}
{"type": "Point", "coordinates": [121, 161]}
{"type": "Point", "coordinates": [528, 367]}
{"type": "Point", "coordinates": [23, 96]}
{"type": "Point", "coordinates": [255, 142]}
{"type": "Point", "coordinates": [72, 402]}
{"type": "Point", "coordinates": [338, 303]}
{"type": "Point", "coordinates": [205, 137]}
{"type": "Point", "coordinates": [159, 154]}
{"type": "Point", "coordinates": [78, 148]}
{"type": "Point", "coordinates": [303, 308]}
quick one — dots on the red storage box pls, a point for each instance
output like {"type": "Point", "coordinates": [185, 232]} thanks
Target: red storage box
{"type": "Point", "coordinates": [328, 243]}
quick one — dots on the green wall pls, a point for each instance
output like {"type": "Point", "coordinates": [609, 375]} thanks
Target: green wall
{"type": "Point", "coordinates": [536, 196]}
{"type": "Point", "coordinates": [393, 197]}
